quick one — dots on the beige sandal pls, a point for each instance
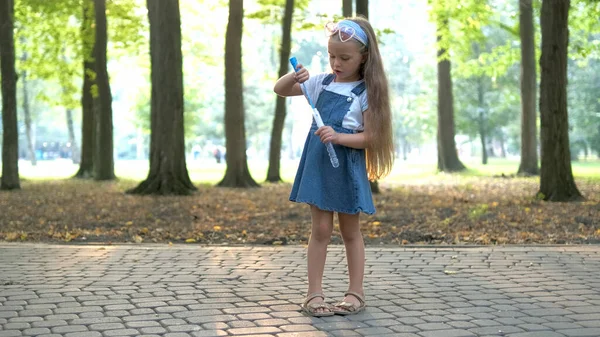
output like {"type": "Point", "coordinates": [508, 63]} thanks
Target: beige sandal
{"type": "Point", "coordinates": [348, 308]}
{"type": "Point", "coordinates": [311, 309]}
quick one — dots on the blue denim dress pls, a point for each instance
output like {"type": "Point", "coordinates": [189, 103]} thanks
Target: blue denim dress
{"type": "Point", "coordinates": [344, 189]}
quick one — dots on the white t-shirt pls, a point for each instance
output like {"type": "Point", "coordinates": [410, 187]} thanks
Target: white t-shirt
{"type": "Point", "coordinates": [354, 116]}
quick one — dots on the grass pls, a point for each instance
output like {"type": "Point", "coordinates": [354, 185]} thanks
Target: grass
{"type": "Point", "coordinates": [209, 172]}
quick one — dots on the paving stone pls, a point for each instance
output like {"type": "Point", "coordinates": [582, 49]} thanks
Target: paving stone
{"type": "Point", "coordinates": [254, 330]}
{"type": "Point", "coordinates": [209, 333]}
{"type": "Point", "coordinates": [537, 334]}
{"type": "Point", "coordinates": [580, 332]}
{"type": "Point", "coordinates": [69, 328]}
{"type": "Point", "coordinates": [84, 334]}
{"type": "Point", "coordinates": [447, 333]}
{"type": "Point", "coordinates": [342, 333]}
{"type": "Point", "coordinates": [218, 291]}
{"type": "Point", "coordinates": [121, 332]}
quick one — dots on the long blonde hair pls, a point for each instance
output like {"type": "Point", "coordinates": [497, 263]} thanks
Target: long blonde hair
{"type": "Point", "coordinates": [380, 140]}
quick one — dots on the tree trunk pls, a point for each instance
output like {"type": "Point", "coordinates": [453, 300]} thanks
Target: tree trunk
{"type": "Point", "coordinates": [273, 172]}
{"type": "Point", "coordinates": [483, 137]}
{"type": "Point", "coordinates": [347, 8]}
{"type": "Point", "coordinates": [168, 174]}
{"type": "Point", "coordinates": [237, 173]}
{"type": "Point", "coordinates": [404, 145]}
{"type": "Point", "coordinates": [10, 139]}
{"type": "Point", "coordinates": [447, 156]}
{"type": "Point", "coordinates": [29, 133]}
{"type": "Point", "coordinates": [103, 160]}
{"type": "Point", "coordinates": [529, 157]}
{"type": "Point", "coordinates": [482, 117]}
{"type": "Point", "coordinates": [88, 104]}
{"type": "Point", "coordinates": [72, 140]}
{"type": "Point", "coordinates": [556, 180]}
{"type": "Point", "coordinates": [502, 145]}
{"type": "Point", "coordinates": [362, 8]}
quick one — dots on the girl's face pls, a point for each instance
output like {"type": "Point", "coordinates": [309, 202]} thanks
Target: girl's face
{"type": "Point", "coordinates": [345, 59]}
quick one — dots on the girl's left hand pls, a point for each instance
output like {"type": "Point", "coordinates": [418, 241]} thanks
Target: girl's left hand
{"type": "Point", "coordinates": [327, 134]}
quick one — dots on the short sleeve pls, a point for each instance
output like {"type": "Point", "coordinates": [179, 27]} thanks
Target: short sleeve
{"type": "Point", "coordinates": [313, 86]}
{"type": "Point", "coordinates": [364, 103]}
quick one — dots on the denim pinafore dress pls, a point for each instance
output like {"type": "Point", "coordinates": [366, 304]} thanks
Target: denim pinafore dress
{"type": "Point", "coordinates": [344, 189]}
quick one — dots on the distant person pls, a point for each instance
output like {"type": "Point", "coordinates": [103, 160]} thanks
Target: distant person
{"type": "Point", "coordinates": [354, 103]}
{"type": "Point", "coordinates": [217, 154]}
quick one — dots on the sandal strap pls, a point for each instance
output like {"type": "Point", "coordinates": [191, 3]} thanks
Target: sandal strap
{"type": "Point", "coordinates": [358, 296]}
{"type": "Point", "coordinates": [319, 305]}
{"type": "Point", "coordinates": [347, 306]}
{"type": "Point", "coordinates": [313, 296]}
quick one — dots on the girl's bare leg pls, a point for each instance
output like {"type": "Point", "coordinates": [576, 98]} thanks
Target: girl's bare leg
{"type": "Point", "coordinates": [322, 227]}
{"type": "Point", "coordinates": [355, 253]}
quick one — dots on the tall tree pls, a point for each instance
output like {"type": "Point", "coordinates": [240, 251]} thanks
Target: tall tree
{"type": "Point", "coordinates": [168, 174]}
{"type": "Point", "coordinates": [72, 141]}
{"type": "Point", "coordinates": [482, 119]}
{"type": "Point", "coordinates": [10, 140]}
{"type": "Point", "coordinates": [273, 172]}
{"type": "Point", "coordinates": [362, 8]}
{"type": "Point", "coordinates": [556, 178]}
{"type": "Point", "coordinates": [237, 173]}
{"type": "Point", "coordinates": [529, 157]}
{"type": "Point", "coordinates": [29, 133]}
{"type": "Point", "coordinates": [447, 155]}
{"type": "Point", "coordinates": [103, 159]}
{"type": "Point", "coordinates": [347, 8]}
{"type": "Point", "coordinates": [88, 101]}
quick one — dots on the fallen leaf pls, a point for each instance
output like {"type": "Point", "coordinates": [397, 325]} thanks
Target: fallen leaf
{"type": "Point", "coordinates": [12, 236]}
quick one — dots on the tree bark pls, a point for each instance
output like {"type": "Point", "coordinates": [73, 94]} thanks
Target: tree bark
{"type": "Point", "coordinates": [237, 173]}
{"type": "Point", "coordinates": [29, 133]}
{"type": "Point", "coordinates": [529, 157]}
{"type": "Point", "coordinates": [556, 179]}
{"type": "Point", "coordinates": [447, 155]}
{"type": "Point", "coordinates": [502, 145]}
{"type": "Point", "coordinates": [483, 137]}
{"type": "Point", "coordinates": [482, 118]}
{"type": "Point", "coordinates": [362, 8]}
{"type": "Point", "coordinates": [72, 140]}
{"type": "Point", "coordinates": [103, 161]}
{"type": "Point", "coordinates": [10, 139]}
{"type": "Point", "coordinates": [168, 174]}
{"type": "Point", "coordinates": [273, 172]}
{"type": "Point", "coordinates": [88, 104]}
{"type": "Point", "coordinates": [347, 8]}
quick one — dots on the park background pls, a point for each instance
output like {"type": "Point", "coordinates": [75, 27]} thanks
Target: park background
{"type": "Point", "coordinates": [422, 201]}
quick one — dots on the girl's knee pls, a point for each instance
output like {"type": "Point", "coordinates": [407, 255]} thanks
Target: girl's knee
{"type": "Point", "coordinates": [321, 232]}
{"type": "Point", "coordinates": [350, 233]}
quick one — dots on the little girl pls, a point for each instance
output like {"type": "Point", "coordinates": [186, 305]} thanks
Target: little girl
{"type": "Point", "coordinates": [354, 103]}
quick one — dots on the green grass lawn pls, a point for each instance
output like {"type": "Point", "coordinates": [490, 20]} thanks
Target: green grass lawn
{"type": "Point", "coordinates": [209, 172]}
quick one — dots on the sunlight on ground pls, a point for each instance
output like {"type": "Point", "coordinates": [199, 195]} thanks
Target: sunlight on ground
{"type": "Point", "coordinates": [209, 172]}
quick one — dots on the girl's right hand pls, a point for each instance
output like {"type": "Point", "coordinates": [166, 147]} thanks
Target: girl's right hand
{"type": "Point", "coordinates": [301, 75]}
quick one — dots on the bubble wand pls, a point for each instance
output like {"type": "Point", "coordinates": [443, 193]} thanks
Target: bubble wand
{"type": "Point", "coordinates": [317, 116]}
